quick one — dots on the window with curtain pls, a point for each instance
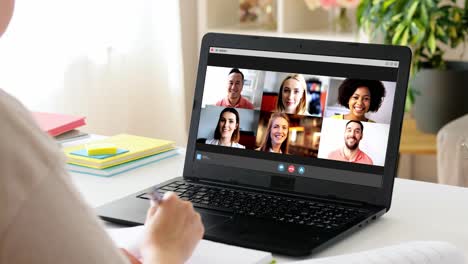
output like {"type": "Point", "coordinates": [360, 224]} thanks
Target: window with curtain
{"type": "Point", "coordinates": [119, 63]}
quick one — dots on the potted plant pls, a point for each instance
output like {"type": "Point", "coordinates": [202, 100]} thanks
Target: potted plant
{"type": "Point", "coordinates": [438, 88]}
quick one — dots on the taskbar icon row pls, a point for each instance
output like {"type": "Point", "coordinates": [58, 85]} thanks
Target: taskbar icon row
{"type": "Point", "coordinates": [290, 168]}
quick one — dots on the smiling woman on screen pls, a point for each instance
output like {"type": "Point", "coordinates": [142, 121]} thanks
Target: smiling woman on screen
{"type": "Point", "coordinates": [227, 132]}
{"type": "Point", "coordinates": [276, 134]}
{"type": "Point", "coordinates": [292, 98]}
{"type": "Point", "coordinates": [360, 97]}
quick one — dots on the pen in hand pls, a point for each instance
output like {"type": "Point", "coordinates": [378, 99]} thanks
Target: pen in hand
{"type": "Point", "coordinates": [155, 197]}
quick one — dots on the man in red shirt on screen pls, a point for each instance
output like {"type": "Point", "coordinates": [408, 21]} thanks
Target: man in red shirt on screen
{"type": "Point", "coordinates": [234, 89]}
{"type": "Point", "coordinates": [350, 151]}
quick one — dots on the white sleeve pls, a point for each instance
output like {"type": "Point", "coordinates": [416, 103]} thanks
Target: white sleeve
{"type": "Point", "coordinates": [55, 226]}
{"type": "Point", "coordinates": [42, 217]}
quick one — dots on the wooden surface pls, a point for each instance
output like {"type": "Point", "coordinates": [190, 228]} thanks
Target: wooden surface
{"type": "Point", "coordinates": [415, 142]}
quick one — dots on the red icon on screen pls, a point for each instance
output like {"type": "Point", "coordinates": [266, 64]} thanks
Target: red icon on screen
{"type": "Point", "coordinates": [211, 49]}
{"type": "Point", "coordinates": [291, 168]}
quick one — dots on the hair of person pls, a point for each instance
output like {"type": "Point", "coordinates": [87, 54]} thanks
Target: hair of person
{"type": "Point", "coordinates": [266, 143]}
{"type": "Point", "coordinates": [349, 86]}
{"type": "Point", "coordinates": [6, 12]}
{"type": "Point", "coordinates": [236, 134]}
{"type": "Point", "coordinates": [356, 121]}
{"type": "Point", "coordinates": [235, 70]}
{"type": "Point", "coordinates": [301, 107]}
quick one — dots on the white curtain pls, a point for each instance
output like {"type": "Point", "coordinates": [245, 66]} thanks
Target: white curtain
{"type": "Point", "coordinates": [119, 63]}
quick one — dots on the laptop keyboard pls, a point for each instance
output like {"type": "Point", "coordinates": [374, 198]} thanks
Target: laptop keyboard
{"type": "Point", "coordinates": [282, 209]}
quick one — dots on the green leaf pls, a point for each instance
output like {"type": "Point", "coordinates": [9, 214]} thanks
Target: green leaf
{"type": "Point", "coordinates": [396, 18]}
{"type": "Point", "coordinates": [431, 3]}
{"type": "Point", "coordinates": [386, 4]}
{"type": "Point", "coordinates": [360, 11]}
{"type": "Point", "coordinates": [414, 28]}
{"type": "Point", "coordinates": [411, 10]}
{"type": "Point", "coordinates": [424, 15]}
{"type": "Point", "coordinates": [453, 33]}
{"type": "Point", "coordinates": [417, 33]}
{"type": "Point", "coordinates": [432, 43]}
{"type": "Point", "coordinates": [456, 16]}
{"type": "Point", "coordinates": [440, 33]}
{"type": "Point", "coordinates": [404, 38]}
{"type": "Point", "coordinates": [398, 31]}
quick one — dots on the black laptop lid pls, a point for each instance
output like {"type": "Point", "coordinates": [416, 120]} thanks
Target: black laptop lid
{"type": "Point", "coordinates": [303, 116]}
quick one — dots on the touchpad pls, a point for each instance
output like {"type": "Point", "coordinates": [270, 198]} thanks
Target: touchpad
{"type": "Point", "coordinates": [210, 220]}
{"type": "Point", "coordinates": [252, 232]}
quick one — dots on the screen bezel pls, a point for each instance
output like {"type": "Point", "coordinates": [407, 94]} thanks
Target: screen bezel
{"type": "Point", "coordinates": [371, 195]}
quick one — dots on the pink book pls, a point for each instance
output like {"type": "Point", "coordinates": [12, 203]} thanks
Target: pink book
{"type": "Point", "coordinates": [56, 124]}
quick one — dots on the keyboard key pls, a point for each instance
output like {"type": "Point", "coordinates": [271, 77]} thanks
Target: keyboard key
{"type": "Point", "coordinates": [283, 209]}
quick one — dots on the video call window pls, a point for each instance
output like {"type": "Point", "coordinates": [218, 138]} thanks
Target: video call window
{"type": "Point", "coordinates": [297, 114]}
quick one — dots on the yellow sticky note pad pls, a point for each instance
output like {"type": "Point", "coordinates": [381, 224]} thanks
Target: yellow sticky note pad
{"type": "Point", "coordinates": [94, 149]}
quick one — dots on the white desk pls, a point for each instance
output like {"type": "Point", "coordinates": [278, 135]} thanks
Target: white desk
{"type": "Point", "coordinates": [420, 211]}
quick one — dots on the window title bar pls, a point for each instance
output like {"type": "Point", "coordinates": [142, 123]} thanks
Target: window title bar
{"type": "Point", "coordinates": [305, 57]}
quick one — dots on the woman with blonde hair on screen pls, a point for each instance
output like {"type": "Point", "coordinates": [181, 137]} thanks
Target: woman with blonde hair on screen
{"type": "Point", "coordinates": [292, 97]}
{"type": "Point", "coordinates": [276, 135]}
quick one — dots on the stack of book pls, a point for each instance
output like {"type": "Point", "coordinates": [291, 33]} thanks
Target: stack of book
{"type": "Point", "coordinates": [133, 152]}
{"type": "Point", "coordinates": [61, 127]}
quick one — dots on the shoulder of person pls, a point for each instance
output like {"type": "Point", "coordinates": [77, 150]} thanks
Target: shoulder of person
{"type": "Point", "coordinates": [237, 145]}
{"type": "Point", "coordinates": [366, 157]}
{"type": "Point", "coordinates": [245, 100]}
{"type": "Point", "coordinates": [211, 141]}
{"type": "Point", "coordinates": [219, 102]}
{"type": "Point", "coordinates": [334, 153]}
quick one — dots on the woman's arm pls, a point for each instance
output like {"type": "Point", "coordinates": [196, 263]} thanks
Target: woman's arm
{"type": "Point", "coordinates": [173, 231]}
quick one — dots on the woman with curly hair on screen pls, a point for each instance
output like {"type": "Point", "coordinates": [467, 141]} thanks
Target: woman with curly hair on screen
{"type": "Point", "coordinates": [360, 97]}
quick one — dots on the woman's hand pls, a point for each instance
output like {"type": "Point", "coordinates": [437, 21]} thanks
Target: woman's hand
{"type": "Point", "coordinates": [130, 257]}
{"type": "Point", "coordinates": [173, 231]}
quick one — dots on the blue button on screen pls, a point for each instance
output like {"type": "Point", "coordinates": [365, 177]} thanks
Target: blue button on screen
{"type": "Point", "coordinates": [281, 167]}
{"type": "Point", "coordinates": [301, 170]}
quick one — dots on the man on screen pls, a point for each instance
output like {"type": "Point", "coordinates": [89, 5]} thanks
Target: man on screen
{"type": "Point", "coordinates": [235, 83]}
{"type": "Point", "coordinates": [350, 151]}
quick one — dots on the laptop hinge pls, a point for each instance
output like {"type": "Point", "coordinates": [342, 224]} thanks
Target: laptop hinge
{"type": "Point", "coordinates": [192, 179]}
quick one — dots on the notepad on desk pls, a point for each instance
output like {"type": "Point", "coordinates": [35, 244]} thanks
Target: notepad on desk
{"type": "Point", "coordinates": [206, 252]}
{"type": "Point", "coordinates": [71, 135]}
{"type": "Point", "coordinates": [414, 252]}
{"type": "Point", "coordinates": [57, 124]}
{"type": "Point", "coordinates": [121, 168]}
{"type": "Point", "coordinates": [138, 147]}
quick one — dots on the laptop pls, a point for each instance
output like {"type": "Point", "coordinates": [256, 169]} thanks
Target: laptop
{"type": "Point", "coordinates": [293, 143]}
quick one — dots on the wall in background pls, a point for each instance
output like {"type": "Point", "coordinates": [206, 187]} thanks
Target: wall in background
{"type": "Point", "coordinates": [190, 52]}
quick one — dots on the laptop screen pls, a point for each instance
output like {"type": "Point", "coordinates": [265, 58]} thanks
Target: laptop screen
{"type": "Point", "coordinates": [292, 114]}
